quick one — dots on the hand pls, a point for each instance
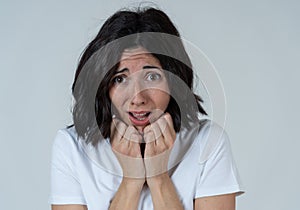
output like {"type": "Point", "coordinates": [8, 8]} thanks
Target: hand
{"type": "Point", "coordinates": [125, 141]}
{"type": "Point", "coordinates": [159, 138]}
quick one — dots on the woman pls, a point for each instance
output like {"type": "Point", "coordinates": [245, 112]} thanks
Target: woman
{"type": "Point", "coordinates": [138, 141]}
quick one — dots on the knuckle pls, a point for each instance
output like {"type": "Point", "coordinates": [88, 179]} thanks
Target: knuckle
{"type": "Point", "coordinates": [167, 116]}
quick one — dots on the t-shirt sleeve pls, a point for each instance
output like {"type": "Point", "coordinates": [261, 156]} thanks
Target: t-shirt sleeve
{"type": "Point", "coordinates": [219, 174]}
{"type": "Point", "coordinates": [65, 185]}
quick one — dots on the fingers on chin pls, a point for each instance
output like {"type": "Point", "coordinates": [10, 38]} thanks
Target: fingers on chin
{"type": "Point", "coordinates": [149, 137]}
{"type": "Point", "coordinates": [118, 128]}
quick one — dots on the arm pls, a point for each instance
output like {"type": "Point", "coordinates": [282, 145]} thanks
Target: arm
{"type": "Point", "coordinates": [160, 137]}
{"type": "Point", "coordinates": [128, 194]}
{"type": "Point", "coordinates": [68, 207]}
{"type": "Point", "coordinates": [219, 202]}
{"type": "Point", "coordinates": [127, 151]}
{"type": "Point", "coordinates": [163, 192]}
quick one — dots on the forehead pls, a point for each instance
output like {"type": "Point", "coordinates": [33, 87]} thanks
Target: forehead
{"type": "Point", "coordinates": [138, 56]}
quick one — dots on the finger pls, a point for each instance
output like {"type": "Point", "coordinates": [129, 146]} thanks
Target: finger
{"type": "Point", "coordinates": [160, 145]}
{"type": "Point", "coordinates": [163, 142]}
{"type": "Point", "coordinates": [156, 130]}
{"type": "Point", "coordinates": [157, 143]}
{"type": "Point", "coordinates": [168, 137]}
{"type": "Point", "coordinates": [169, 120]}
{"type": "Point", "coordinates": [118, 129]}
{"type": "Point", "coordinates": [149, 150]}
{"type": "Point", "coordinates": [149, 137]}
{"type": "Point", "coordinates": [147, 129]}
{"type": "Point", "coordinates": [162, 124]}
{"type": "Point", "coordinates": [135, 150]}
{"type": "Point", "coordinates": [170, 133]}
{"type": "Point", "coordinates": [153, 133]}
{"type": "Point", "coordinates": [131, 134]}
{"type": "Point", "coordinates": [155, 114]}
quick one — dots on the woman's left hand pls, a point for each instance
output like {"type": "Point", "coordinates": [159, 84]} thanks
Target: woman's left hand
{"type": "Point", "coordinates": [159, 137]}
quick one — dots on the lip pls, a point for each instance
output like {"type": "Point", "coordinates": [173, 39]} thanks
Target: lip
{"type": "Point", "coordinates": [139, 118]}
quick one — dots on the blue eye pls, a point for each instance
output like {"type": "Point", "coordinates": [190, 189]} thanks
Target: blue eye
{"type": "Point", "coordinates": [153, 76]}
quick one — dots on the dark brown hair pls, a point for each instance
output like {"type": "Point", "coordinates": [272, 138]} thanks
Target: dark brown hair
{"type": "Point", "coordinates": [92, 112]}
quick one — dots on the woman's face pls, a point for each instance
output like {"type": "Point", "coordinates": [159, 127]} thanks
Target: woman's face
{"type": "Point", "coordinates": [139, 90]}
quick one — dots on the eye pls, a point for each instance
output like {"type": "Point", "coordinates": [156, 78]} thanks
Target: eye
{"type": "Point", "coordinates": [119, 79]}
{"type": "Point", "coordinates": [153, 76]}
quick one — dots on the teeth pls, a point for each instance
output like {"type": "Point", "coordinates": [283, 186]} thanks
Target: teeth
{"type": "Point", "coordinates": [139, 115]}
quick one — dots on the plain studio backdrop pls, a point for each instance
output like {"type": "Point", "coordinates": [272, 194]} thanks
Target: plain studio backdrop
{"type": "Point", "coordinates": [254, 45]}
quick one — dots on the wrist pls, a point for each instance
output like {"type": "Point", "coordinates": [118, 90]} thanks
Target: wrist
{"type": "Point", "coordinates": [133, 185]}
{"type": "Point", "coordinates": [158, 180]}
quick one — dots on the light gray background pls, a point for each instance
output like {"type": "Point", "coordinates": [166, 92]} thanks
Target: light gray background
{"type": "Point", "coordinates": [253, 44]}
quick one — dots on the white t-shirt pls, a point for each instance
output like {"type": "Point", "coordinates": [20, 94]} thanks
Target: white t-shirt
{"type": "Point", "coordinates": [88, 175]}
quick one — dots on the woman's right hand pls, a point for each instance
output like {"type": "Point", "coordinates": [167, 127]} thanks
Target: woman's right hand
{"type": "Point", "coordinates": [125, 142]}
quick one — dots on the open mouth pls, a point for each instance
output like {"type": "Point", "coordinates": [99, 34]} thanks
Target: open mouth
{"type": "Point", "coordinates": [139, 118]}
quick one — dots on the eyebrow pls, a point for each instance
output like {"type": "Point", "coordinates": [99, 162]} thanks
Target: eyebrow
{"type": "Point", "coordinates": [144, 67]}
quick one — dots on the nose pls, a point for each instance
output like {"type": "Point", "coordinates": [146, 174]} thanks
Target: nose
{"type": "Point", "coordinates": [138, 94]}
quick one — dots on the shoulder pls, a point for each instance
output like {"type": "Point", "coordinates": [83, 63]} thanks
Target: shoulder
{"type": "Point", "coordinates": [211, 138]}
{"type": "Point", "coordinates": [66, 140]}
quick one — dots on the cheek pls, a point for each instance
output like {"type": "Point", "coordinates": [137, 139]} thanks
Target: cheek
{"type": "Point", "coordinates": [117, 97]}
{"type": "Point", "coordinates": [113, 95]}
{"type": "Point", "coordinates": [161, 99]}
{"type": "Point", "coordinates": [166, 101]}
{"type": "Point", "coordinates": [116, 103]}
